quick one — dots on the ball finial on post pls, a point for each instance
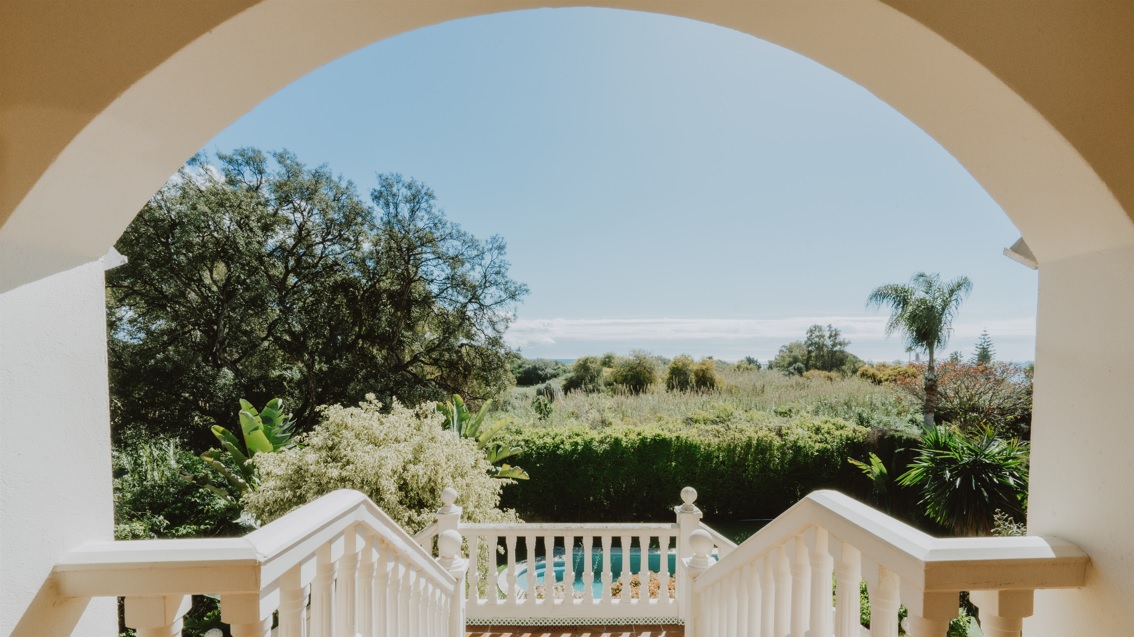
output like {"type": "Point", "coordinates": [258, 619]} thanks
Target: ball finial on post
{"type": "Point", "coordinates": [448, 544]}
{"type": "Point", "coordinates": [702, 544]}
{"type": "Point", "coordinates": [688, 497]}
{"type": "Point", "coordinates": [448, 496]}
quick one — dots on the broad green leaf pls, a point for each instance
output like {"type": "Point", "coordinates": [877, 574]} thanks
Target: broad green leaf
{"type": "Point", "coordinates": [225, 436]}
{"type": "Point", "coordinates": [254, 438]}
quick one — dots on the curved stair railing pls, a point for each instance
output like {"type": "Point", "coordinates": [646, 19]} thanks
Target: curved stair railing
{"type": "Point", "coordinates": [336, 567]}
{"type": "Point", "coordinates": [778, 583]}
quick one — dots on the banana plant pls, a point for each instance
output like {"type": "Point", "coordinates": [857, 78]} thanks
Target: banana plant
{"type": "Point", "coordinates": [465, 424]}
{"type": "Point", "coordinates": [265, 431]}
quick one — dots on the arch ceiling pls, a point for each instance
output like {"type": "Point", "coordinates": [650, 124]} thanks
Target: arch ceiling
{"type": "Point", "coordinates": [95, 122]}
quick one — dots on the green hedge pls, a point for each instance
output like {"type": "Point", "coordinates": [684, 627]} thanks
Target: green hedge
{"type": "Point", "coordinates": [636, 473]}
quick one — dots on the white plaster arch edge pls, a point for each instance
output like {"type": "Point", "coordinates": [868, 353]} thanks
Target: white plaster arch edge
{"type": "Point", "coordinates": [94, 188]}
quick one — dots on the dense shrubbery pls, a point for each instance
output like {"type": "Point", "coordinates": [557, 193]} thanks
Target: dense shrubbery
{"type": "Point", "coordinates": [997, 395]}
{"type": "Point", "coordinates": [402, 460]}
{"type": "Point", "coordinates": [629, 473]}
{"type": "Point", "coordinates": [153, 497]}
{"type": "Point", "coordinates": [635, 373]}
{"type": "Point", "coordinates": [586, 375]}
{"type": "Point", "coordinates": [744, 396]}
{"type": "Point", "coordinates": [682, 374]}
{"type": "Point", "coordinates": [533, 372]}
{"type": "Point", "coordinates": [886, 373]}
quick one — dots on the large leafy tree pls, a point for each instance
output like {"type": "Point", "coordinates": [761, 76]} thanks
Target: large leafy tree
{"type": "Point", "coordinates": [922, 311]}
{"type": "Point", "coordinates": [255, 276]}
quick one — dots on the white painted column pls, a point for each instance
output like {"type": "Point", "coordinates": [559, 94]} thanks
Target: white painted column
{"type": "Point", "coordinates": [52, 353]}
{"type": "Point", "coordinates": [1082, 428]}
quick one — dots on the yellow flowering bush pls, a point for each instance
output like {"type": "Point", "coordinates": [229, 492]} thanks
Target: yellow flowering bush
{"type": "Point", "coordinates": [401, 460]}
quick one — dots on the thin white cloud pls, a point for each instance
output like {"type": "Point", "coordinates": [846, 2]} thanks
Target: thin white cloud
{"type": "Point", "coordinates": [525, 332]}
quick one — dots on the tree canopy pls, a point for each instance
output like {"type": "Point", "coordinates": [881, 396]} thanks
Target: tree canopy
{"type": "Point", "coordinates": [254, 276]}
{"type": "Point", "coordinates": [823, 349]}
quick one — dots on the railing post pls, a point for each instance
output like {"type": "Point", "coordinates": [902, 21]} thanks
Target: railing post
{"type": "Point", "coordinates": [157, 616]}
{"type": "Point", "coordinates": [688, 521]}
{"type": "Point", "coordinates": [1002, 613]}
{"type": "Point", "coordinates": [701, 544]}
{"type": "Point", "coordinates": [449, 515]}
{"type": "Point", "coordinates": [449, 548]}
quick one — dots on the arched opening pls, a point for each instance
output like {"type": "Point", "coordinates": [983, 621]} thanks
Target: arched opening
{"type": "Point", "coordinates": [72, 206]}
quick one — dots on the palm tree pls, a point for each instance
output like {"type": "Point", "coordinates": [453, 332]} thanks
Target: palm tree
{"type": "Point", "coordinates": [923, 311]}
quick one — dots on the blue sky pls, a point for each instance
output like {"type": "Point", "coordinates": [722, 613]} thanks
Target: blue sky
{"type": "Point", "coordinates": [662, 184]}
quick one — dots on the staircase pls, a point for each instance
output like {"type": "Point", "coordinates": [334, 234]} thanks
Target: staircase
{"type": "Point", "coordinates": [340, 567]}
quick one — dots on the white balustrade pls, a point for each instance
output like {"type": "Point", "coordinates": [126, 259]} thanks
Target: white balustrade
{"type": "Point", "coordinates": [784, 575]}
{"type": "Point", "coordinates": [568, 570]}
{"type": "Point", "coordinates": [339, 567]}
{"type": "Point", "coordinates": [336, 567]}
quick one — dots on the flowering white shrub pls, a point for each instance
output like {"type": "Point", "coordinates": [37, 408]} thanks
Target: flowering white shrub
{"type": "Point", "coordinates": [401, 460]}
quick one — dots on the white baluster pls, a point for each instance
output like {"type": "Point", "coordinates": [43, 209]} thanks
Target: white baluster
{"type": "Point", "coordinates": [405, 588]}
{"type": "Point", "coordinates": [246, 616]}
{"type": "Point", "coordinates": [157, 616]}
{"type": "Point", "coordinates": [1002, 613]}
{"type": "Point", "coordinates": [800, 589]}
{"type": "Point", "coordinates": [768, 595]}
{"type": "Point", "coordinates": [345, 586]}
{"type": "Point", "coordinates": [510, 541]}
{"type": "Point", "coordinates": [847, 600]}
{"type": "Point", "coordinates": [732, 604]}
{"type": "Point", "coordinates": [322, 611]}
{"type": "Point", "coordinates": [713, 608]}
{"type": "Point", "coordinates": [702, 618]}
{"type": "Point", "coordinates": [644, 570]}
{"type": "Point", "coordinates": [569, 569]}
{"type": "Point", "coordinates": [529, 573]}
{"type": "Point", "coordinates": [822, 566]}
{"type": "Point", "coordinates": [549, 569]}
{"type": "Point", "coordinates": [755, 598]}
{"type": "Point", "coordinates": [366, 570]}
{"type": "Point", "coordinates": [624, 576]}
{"type": "Point", "coordinates": [382, 592]}
{"type": "Point", "coordinates": [743, 594]}
{"type": "Point", "coordinates": [884, 604]}
{"type": "Point", "coordinates": [929, 614]}
{"type": "Point", "coordinates": [663, 570]}
{"type": "Point", "coordinates": [413, 604]}
{"type": "Point", "coordinates": [293, 600]}
{"type": "Point", "coordinates": [783, 591]}
{"type": "Point", "coordinates": [588, 570]}
{"type": "Point", "coordinates": [492, 572]}
{"type": "Point", "coordinates": [474, 571]}
{"type": "Point", "coordinates": [607, 567]}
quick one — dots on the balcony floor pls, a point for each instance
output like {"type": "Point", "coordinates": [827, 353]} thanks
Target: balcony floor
{"type": "Point", "coordinates": [577, 631]}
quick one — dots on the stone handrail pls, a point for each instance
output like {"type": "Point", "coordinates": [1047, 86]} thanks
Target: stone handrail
{"type": "Point", "coordinates": [337, 566]}
{"type": "Point", "coordinates": [778, 582]}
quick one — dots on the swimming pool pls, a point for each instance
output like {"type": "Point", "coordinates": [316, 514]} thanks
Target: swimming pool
{"type": "Point", "coordinates": [598, 566]}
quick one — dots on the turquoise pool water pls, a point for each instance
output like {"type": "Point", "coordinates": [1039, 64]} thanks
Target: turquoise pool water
{"type": "Point", "coordinates": [598, 565]}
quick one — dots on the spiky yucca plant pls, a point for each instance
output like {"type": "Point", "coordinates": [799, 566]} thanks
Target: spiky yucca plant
{"type": "Point", "coordinates": [965, 479]}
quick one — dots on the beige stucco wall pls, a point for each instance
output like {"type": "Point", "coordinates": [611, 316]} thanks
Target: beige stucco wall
{"type": "Point", "coordinates": [55, 482]}
{"type": "Point", "coordinates": [101, 101]}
